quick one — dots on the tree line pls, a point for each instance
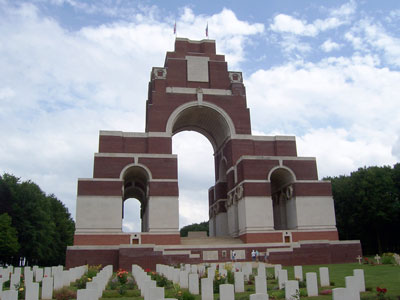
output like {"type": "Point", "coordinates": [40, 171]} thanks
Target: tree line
{"type": "Point", "coordinates": [367, 206]}
{"type": "Point", "coordinates": [34, 227]}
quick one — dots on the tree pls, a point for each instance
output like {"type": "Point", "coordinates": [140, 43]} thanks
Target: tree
{"type": "Point", "coordinates": [44, 225]}
{"type": "Point", "coordinates": [203, 226]}
{"type": "Point", "coordinates": [9, 245]}
{"type": "Point", "coordinates": [367, 207]}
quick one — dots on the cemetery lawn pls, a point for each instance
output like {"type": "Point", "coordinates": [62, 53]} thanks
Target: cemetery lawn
{"type": "Point", "coordinates": [383, 276]}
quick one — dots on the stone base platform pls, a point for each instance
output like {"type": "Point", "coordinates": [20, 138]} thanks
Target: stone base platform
{"type": "Point", "coordinates": [147, 256]}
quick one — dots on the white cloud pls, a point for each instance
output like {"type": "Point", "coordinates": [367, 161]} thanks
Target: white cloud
{"type": "Point", "coordinates": [343, 110]}
{"type": "Point", "coordinates": [329, 46]}
{"type": "Point", "coordinates": [59, 87]}
{"type": "Point", "coordinates": [289, 24]}
{"type": "Point", "coordinates": [283, 23]}
{"type": "Point", "coordinates": [367, 36]}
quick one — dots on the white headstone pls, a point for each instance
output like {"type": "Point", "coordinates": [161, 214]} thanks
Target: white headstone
{"type": "Point", "coordinates": [378, 259]}
{"type": "Point", "coordinates": [261, 285]}
{"type": "Point", "coordinates": [184, 279]}
{"type": "Point", "coordinates": [156, 293]}
{"type": "Point", "coordinates": [211, 273]}
{"type": "Point", "coordinates": [353, 285]}
{"type": "Point", "coordinates": [247, 270]}
{"type": "Point", "coordinates": [96, 287]}
{"type": "Point", "coordinates": [28, 276]}
{"type": "Point", "coordinates": [226, 292]}
{"type": "Point", "coordinates": [193, 269]}
{"type": "Point", "coordinates": [312, 284]}
{"type": "Point", "coordinates": [147, 286]}
{"type": "Point", "coordinates": [32, 291]}
{"type": "Point", "coordinates": [259, 297]}
{"type": "Point", "coordinates": [207, 292]}
{"type": "Point", "coordinates": [341, 294]}
{"type": "Point", "coordinates": [47, 288]}
{"type": "Point", "coordinates": [176, 276]}
{"type": "Point", "coordinates": [261, 270]}
{"type": "Point", "coordinates": [292, 291]}
{"type": "Point", "coordinates": [86, 295]}
{"type": "Point", "coordinates": [194, 284]}
{"type": "Point", "coordinates": [47, 271]}
{"type": "Point", "coordinates": [298, 273]}
{"type": "Point", "coordinates": [359, 258]}
{"type": "Point", "coordinates": [14, 281]}
{"type": "Point", "coordinates": [359, 274]}
{"type": "Point", "coordinates": [282, 278]}
{"type": "Point", "coordinates": [277, 268]}
{"type": "Point", "coordinates": [9, 295]}
{"type": "Point", "coordinates": [239, 282]}
{"type": "Point", "coordinates": [324, 276]}
{"type": "Point", "coordinates": [38, 275]}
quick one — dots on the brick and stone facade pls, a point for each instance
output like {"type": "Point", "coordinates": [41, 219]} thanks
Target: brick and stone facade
{"type": "Point", "coordinates": [263, 192]}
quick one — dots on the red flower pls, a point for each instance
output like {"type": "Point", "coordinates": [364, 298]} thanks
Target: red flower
{"type": "Point", "coordinates": [381, 290]}
{"type": "Point", "coordinates": [147, 270]}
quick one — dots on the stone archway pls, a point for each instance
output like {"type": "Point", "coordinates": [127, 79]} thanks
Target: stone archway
{"type": "Point", "coordinates": [195, 91]}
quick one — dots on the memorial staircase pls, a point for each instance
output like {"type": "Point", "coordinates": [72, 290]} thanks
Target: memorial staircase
{"type": "Point", "coordinates": [210, 241]}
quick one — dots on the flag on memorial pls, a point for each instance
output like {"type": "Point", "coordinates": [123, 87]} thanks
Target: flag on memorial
{"type": "Point", "coordinates": [207, 30]}
{"type": "Point", "coordinates": [175, 28]}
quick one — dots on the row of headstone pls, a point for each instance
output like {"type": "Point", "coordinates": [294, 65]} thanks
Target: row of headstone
{"type": "Point", "coordinates": [148, 287]}
{"type": "Point", "coordinates": [49, 283]}
{"type": "Point", "coordinates": [354, 286]}
{"type": "Point", "coordinates": [94, 289]}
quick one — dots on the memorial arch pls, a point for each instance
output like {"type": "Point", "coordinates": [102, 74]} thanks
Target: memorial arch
{"type": "Point", "coordinates": [263, 191]}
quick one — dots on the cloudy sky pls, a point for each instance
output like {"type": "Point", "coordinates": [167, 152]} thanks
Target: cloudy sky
{"type": "Point", "coordinates": [327, 72]}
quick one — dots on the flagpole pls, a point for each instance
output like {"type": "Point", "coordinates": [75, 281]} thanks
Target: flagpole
{"type": "Point", "coordinates": [175, 28]}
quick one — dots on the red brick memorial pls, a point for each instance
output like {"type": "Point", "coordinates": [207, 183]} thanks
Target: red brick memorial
{"type": "Point", "coordinates": [265, 196]}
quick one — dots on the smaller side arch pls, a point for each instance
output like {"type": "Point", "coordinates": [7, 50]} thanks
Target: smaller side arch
{"type": "Point", "coordinates": [123, 171]}
{"type": "Point", "coordinates": [281, 167]}
{"type": "Point", "coordinates": [283, 201]}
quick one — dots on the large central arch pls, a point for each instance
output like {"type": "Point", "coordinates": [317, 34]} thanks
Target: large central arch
{"type": "Point", "coordinates": [263, 191]}
{"type": "Point", "coordinates": [205, 118]}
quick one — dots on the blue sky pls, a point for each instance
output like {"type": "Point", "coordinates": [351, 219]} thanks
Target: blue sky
{"type": "Point", "coordinates": [327, 72]}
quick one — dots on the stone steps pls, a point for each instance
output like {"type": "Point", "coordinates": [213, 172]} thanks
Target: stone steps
{"type": "Point", "coordinates": [210, 241]}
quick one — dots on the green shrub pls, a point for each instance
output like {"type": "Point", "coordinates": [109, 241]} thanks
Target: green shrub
{"type": "Point", "coordinates": [279, 294]}
{"type": "Point", "coordinates": [93, 270]}
{"type": "Point", "coordinates": [387, 260]}
{"type": "Point", "coordinates": [230, 277]}
{"type": "Point", "coordinates": [302, 284]}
